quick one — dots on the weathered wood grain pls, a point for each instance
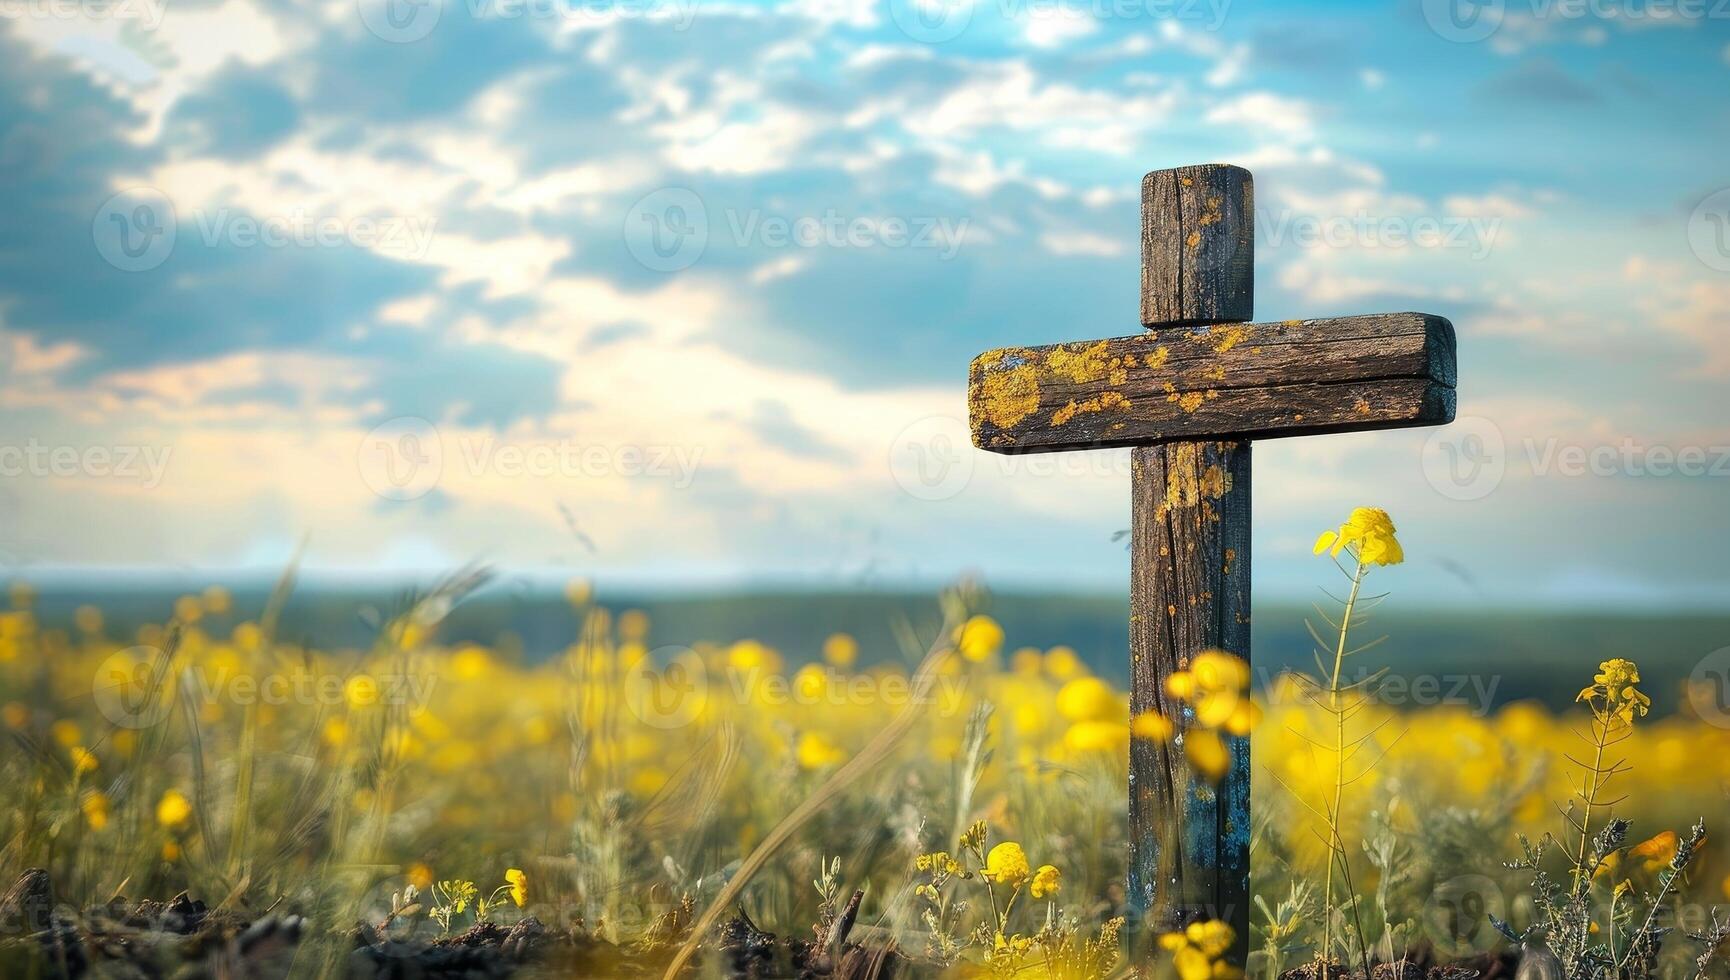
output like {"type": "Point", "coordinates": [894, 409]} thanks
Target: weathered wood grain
{"type": "Point", "coordinates": [1189, 396]}
{"type": "Point", "coordinates": [1224, 381]}
{"type": "Point", "coordinates": [1189, 591]}
{"type": "Point", "coordinates": [1197, 245]}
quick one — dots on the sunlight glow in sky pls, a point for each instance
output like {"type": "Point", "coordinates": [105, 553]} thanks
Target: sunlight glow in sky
{"type": "Point", "coordinates": [679, 291]}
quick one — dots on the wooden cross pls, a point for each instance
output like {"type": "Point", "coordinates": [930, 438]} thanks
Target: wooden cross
{"type": "Point", "coordinates": [1189, 395]}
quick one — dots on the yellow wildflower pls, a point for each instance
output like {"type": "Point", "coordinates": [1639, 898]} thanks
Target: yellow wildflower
{"type": "Point", "coordinates": [579, 591]}
{"type": "Point", "coordinates": [1191, 964]}
{"type": "Point", "coordinates": [1369, 532]}
{"type": "Point", "coordinates": [1087, 699]}
{"type": "Point", "coordinates": [1062, 663]}
{"type": "Point", "coordinates": [811, 682]}
{"type": "Point", "coordinates": [83, 760]}
{"type": "Point", "coordinates": [979, 638]}
{"type": "Point", "coordinates": [66, 732]}
{"type": "Point", "coordinates": [1213, 938]}
{"type": "Point", "coordinates": [1614, 686]}
{"type": "Point", "coordinates": [1207, 753]}
{"type": "Point", "coordinates": [1152, 725]}
{"type": "Point", "coordinates": [1217, 686]}
{"type": "Point", "coordinates": [634, 624]}
{"type": "Point", "coordinates": [95, 807]}
{"type": "Point", "coordinates": [1097, 736]}
{"type": "Point", "coordinates": [816, 752]}
{"type": "Point", "coordinates": [519, 883]}
{"type": "Point", "coordinates": [841, 650]}
{"type": "Point", "coordinates": [1659, 851]}
{"type": "Point", "coordinates": [1046, 881]}
{"type": "Point", "coordinates": [1243, 718]}
{"type": "Point", "coordinates": [173, 809]}
{"type": "Point", "coordinates": [1007, 865]}
{"type": "Point", "coordinates": [360, 691]}
{"type": "Point", "coordinates": [749, 655]}
{"type": "Point", "coordinates": [1198, 952]}
{"type": "Point", "coordinates": [187, 609]}
{"type": "Point", "coordinates": [471, 663]}
{"type": "Point", "coordinates": [216, 600]}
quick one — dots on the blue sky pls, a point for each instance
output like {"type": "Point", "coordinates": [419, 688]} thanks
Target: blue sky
{"type": "Point", "coordinates": [684, 292]}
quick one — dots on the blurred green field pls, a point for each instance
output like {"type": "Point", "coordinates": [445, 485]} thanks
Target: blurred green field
{"type": "Point", "coordinates": [1487, 657]}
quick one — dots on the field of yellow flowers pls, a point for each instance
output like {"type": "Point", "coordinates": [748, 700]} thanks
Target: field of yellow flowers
{"type": "Point", "coordinates": [385, 798]}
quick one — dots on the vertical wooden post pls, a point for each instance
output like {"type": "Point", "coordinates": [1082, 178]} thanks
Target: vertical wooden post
{"type": "Point", "coordinates": [1190, 571]}
{"type": "Point", "coordinates": [1188, 592]}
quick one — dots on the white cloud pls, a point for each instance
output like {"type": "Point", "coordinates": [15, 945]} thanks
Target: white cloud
{"type": "Point", "coordinates": [1010, 95]}
{"type": "Point", "coordinates": [1487, 206]}
{"type": "Point", "coordinates": [872, 55]}
{"type": "Point", "coordinates": [781, 268]}
{"type": "Point", "coordinates": [1055, 26]}
{"type": "Point", "coordinates": [153, 52]}
{"type": "Point", "coordinates": [26, 355]}
{"type": "Point", "coordinates": [1265, 111]}
{"type": "Point", "coordinates": [737, 131]}
{"type": "Point", "coordinates": [1229, 60]}
{"type": "Point", "coordinates": [552, 192]}
{"type": "Point", "coordinates": [1692, 308]}
{"type": "Point", "coordinates": [412, 311]}
{"type": "Point", "coordinates": [850, 13]}
{"type": "Point", "coordinates": [1082, 243]}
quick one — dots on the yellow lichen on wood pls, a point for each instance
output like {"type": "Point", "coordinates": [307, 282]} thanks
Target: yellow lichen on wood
{"type": "Point", "coordinates": [1225, 340]}
{"type": "Point", "coordinates": [1210, 211]}
{"type": "Point", "coordinates": [1193, 240]}
{"type": "Point", "coordinates": [1006, 395]}
{"type": "Point", "coordinates": [1188, 483]}
{"type": "Point", "coordinates": [1086, 364]}
{"type": "Point", "coordinates": [1189, 401]}
{"type": "Point", "coordinates": [1109, 400]}
{"type": "Point", "coordinates": [1157, 359]}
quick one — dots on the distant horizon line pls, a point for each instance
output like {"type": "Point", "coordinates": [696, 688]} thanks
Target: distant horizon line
{"type": "Point", "coordinates": [61, 578]}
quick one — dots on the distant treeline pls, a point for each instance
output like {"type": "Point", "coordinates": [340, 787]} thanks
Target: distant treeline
{"type": "Point", "coordinates": [1470, 658]}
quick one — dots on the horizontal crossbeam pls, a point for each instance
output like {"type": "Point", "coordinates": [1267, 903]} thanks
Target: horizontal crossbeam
{"type": "Point", "coordinates": [1221, 382]}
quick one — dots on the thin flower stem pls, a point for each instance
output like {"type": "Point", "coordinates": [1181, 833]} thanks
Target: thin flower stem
{"type": "Point", "coordinates": [1338, 844]}
{"type": "Point", "coordinates": [1594, 784]}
